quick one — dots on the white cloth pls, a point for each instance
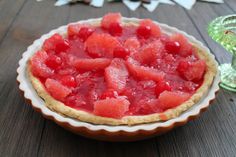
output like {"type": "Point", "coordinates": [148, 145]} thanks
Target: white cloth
{"type": "Point", "coordinates": [154, 4]}
{"type": "Point", "coordinates": [95, 3]}
{"type": "Point", "coordinates": [188, 4]}
{"type": "Point", "coordinates": [132, 5]}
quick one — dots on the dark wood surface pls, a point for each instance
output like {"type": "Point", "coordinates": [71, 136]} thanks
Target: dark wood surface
{"type": "Point", "coordinates": [24, 132]}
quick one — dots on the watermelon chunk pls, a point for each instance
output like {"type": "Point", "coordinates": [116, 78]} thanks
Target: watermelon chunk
{"type": "Point", "coordinates": [56, 89]}
{"type": "Point", "coordinates": [55, 44]}
{"type": "Point", "coordinates": [38, 66]}
{"type": "Point", "coordinates": [171, 99]}
{"type": "Point", "coordinates": [90, 64]}
{"type": "Point", "coordinates": [132, 44]}
{"type": "Point", "coordinates": [150, 52]}
{"type": "Point", "coordinates": [73, 30]}
{"type": "Point", "coordinates": [111, 107]}
{"type": "Point", "coordinates": [116, 75]}
{"type": "Point", "coordinates": [101, 45]}
{"type": "Point", "coordinates": [192, 71]}
{"type": "Point", "coordinates": [142, 72]}
{"type": "Point", "coordinates": [110, 18]}
{"type": "Point", "coordinates": [75, 101]}
{"type": "Point", "coordinates": [149, 106]}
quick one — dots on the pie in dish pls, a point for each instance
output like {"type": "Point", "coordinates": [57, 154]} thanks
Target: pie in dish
{"type": "Point", "coordinates": [120, 73]}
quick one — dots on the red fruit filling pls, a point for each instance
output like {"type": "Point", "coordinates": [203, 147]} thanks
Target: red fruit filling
{"type": "Point", "coordinates": [56, 89]}
{"type": "Point", "coordinates": [38, 66]}
{"type": "Point", "coordinates": [53, 61]}
{"type": "Point", "coordinates": [121, 52]}
{"type": "Point", "coordinates": [68, 81]}
{"type": "Point", "coordinates": [101, 45]}
{"type": "Point", "coordinates": [162, 86]}
{"type": "Point", "coordinates": [115, 29]}
{"type": "Point", "coordinates": [116, 75]}
{"type": "Point", "coordinates": [84, 33]}
{"type": "Point", "coordinates": [116, 70]}
{"type": "Point", "coordinates": [169, 99]}
{"type": "Point", "coordinates": [149, 52]}
{"type": "Point", "coordinates": [147, 25]}
{"type": "Point", "coordinates": [184, 47]}
{"type": "Point", "coordinates": [56, 44]}
{"type": "Point", "coordinates": [132, 44]}
{"type": "Point", "coordinates": [144, 31]}
{"type": "Point", "coordinates": [109, 19]}
{"type": "Point", "coordinates": [111, 107]}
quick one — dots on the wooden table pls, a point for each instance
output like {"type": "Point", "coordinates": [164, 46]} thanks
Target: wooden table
{"type": "Point", "coordinates": [24, 132]}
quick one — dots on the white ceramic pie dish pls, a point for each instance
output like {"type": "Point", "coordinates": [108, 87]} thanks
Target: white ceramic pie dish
{"type": "Point", "coordinates": [105, 132]}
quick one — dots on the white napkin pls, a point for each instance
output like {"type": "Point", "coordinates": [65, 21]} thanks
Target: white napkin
{"type": "Point", "coordinates": [188, 4]}
{"type": "Point", "coordinates": [132, 5]}
{"type": "Point", "coordinates": [166, 2]}
{"type": "Point", "coordinates": [153, 5]}
{"type": "Point", "coordinates": [150, 7]}
{"type": "Point", "coordinates": [215, 1]}
{"type": "Point", "coordinates": [95, 3]}
{"type": "Point", "coordinates": [61, 2]}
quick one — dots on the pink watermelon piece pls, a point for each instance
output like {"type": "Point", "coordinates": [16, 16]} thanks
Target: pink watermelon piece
{"type": "Point", "coordinates": [74, 30]}
{"type": "Point", "coordinates": [150, 52]}
{"type": "Point", "coordinates": [110, 18]}
{"type": "Point", "coordinates": [171, 99]}
{"type": "Point", "coordinates": [149, 106]}
{"type": "Point", "coordinates": [116, 75]}
{"type": "Point", "coordinates": [132, 44]}
{"type": "Point", "coordinates": [55, 44]}
{"type": "Point", "coordinates": [142, 72]}
{"type": "Point", "coordinates": [56, 89]}
{"type": "Point", "coordinates": [90, 64]}
{"type": "Point", "coordinates": [38, 65]}
{"type": "Point", "coordinates": [192, 71]}
{"type": "Point", "coordinates": [111, 107]}
{"type": "Point", "coordinates": [101, 45]}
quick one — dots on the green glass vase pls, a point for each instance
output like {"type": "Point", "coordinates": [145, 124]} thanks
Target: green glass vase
{"type": "Point", "coordinates": [223, 31]}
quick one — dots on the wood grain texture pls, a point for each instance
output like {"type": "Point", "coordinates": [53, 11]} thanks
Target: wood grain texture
{"type": "Point", "coordinates": [22, 128]}
{"type": "Point", "coordinates": [8, 14]}
{"type": "Point", "coordinates": [231, 4]}
{"type": "Point", "coordinates": [25, 133]}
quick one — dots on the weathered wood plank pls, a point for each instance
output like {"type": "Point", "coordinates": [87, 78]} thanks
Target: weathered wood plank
{"type": "Point", "coordinates": [21, 127]}
{"type": "Point", "coordinates": [9, 10]}
{"type": "Point", "coordinates": [231, 4]}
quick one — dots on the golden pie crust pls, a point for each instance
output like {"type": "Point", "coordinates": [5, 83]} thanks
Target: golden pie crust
{"type": "Point", "coordinates": [64, 110]}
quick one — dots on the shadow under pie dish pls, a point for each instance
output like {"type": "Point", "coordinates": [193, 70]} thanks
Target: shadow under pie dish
{"type": "Point", "coordinates": [116, 58]}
